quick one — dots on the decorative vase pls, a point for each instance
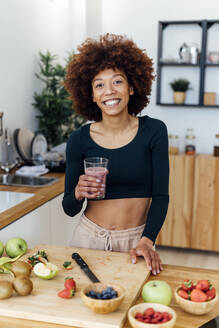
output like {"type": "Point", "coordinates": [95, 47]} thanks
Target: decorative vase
{"type": "Point", "coordinates": [179, 97]}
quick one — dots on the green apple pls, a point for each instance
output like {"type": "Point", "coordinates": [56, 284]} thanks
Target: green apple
{"type": "Point", "coordinates": [1, 248]}
{"type": "Point", "coordinates": [16, 246]}
{"type": "Point", "coordinates": [157, 291]}
{"type": "Point", "coordinates": [45, 270]}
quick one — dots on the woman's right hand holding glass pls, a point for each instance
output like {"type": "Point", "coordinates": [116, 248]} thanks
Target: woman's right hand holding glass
{"type": "Point", "coordinates": [88, 187]}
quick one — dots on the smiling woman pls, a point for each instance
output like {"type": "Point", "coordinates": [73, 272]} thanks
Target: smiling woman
{"type": "Point", "coordinates": [109, 81]}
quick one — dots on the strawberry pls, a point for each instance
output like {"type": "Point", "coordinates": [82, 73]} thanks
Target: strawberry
{"type": "Point", "coordinates": [203, 285]}
{"type": "Point", "coordinates": [70, 283]}
{"type": "Point", "coordinates": [197, 295]}
{"type": "Point", "coordinates": [66, 293]}
{"type": "Point", "coordinates": [187, 285]}
{"type": "Point", "coordinates": [149, 312]}
{"type": "Point", "coordinates": [183, 293]}
{"type": "Point", "coordinates": [211, 293]}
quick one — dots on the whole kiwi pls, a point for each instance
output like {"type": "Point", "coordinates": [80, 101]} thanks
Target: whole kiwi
{"type": "Point", "coordinates": [21, 268]}
{"type": "Point", "coordinates": [6, 289]}
{"type": "Point", "coordinates": [23, 285]}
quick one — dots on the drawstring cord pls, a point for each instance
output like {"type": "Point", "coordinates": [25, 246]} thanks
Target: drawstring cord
{"type": "Point", "coordinates": [108, 239]}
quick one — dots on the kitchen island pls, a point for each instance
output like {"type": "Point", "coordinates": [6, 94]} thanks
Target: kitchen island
{"type": "Point", "coordinates": [173, 275]}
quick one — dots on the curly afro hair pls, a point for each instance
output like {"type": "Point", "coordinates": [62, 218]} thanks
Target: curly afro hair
{"type": "Point", "coordinates": [110, 51]}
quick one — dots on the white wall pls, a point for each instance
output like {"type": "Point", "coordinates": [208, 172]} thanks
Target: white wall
{"type": "Point", "coordinates": [139, 20]}
{"type": "Point", "coordinates": [27, 26]}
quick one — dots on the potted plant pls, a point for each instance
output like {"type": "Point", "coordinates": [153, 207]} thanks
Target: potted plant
{"type": "Point", "coordinates": [57, 119]}
{"type": "Point", "coordinates": [179, 86]}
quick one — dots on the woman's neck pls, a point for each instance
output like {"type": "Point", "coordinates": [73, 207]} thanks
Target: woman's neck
{"type": "Point", "coordinates": [117, 125]}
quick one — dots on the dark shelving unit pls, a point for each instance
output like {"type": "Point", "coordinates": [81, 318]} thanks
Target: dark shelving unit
{"type": "Point", "coordinates": [202, 65]}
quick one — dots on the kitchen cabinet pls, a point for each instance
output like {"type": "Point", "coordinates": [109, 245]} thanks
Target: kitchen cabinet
{"type": "Point", "coordinates": [34, 227]}
{"type": "Point", "coordinates": [46, 224]}
{"type": "Point", "coordinates": [193, 215]}
{"type": "Point", "coordinates": [205, 223]}
{"type": "Point", "coordinates": [195, 71]}
{"type": "Point", "coordinates": [176, 230]}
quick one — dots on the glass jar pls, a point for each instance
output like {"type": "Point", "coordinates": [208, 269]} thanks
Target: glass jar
{"type": "Point", "coordinates": [173, 144]}
{"type": "Point", "coordinates": [216, 145]}
{"type": "Point", "coordinates": [190, 148]}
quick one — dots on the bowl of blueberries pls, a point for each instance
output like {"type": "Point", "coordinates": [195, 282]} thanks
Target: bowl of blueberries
{"type": "Point", "coordinates": [103, 297]}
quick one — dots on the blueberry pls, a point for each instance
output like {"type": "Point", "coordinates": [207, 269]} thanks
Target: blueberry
{"type": "Point", "coordinates": [114, 293]}
{"type": "Point", "coordinates": [109, 289]}
{"type": "Point", "coordinates": [93, 294]}
{"type": "Point", "coordinates": [99, 296]}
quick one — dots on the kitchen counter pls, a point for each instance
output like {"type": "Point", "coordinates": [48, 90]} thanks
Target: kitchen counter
{"type": "Point", "coordinates": [41, 196]}
{"type": "Point", "coordinates": [173, 275]}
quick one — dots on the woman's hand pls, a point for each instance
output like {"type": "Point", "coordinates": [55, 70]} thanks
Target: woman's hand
{"type": "Point", "coordinates": [88, 187]}
{"type": "Point", "coordinates": [145, 248]}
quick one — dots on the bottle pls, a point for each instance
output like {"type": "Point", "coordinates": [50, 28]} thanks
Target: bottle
{"type": "Point", "coordinates": [173, 144]}
{"type": "Point", "coordinates": [8, 161]}
{"type": "Point", "coordinates": [190, 142]}
{"type": "Point", "coordinates": [216, 145]}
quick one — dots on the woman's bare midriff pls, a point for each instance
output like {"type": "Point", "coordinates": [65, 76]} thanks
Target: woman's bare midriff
{"type": "Point", "coordinates": [118, 214]}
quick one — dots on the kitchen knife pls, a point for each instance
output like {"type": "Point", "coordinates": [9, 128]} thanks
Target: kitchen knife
{"type": "Point", "coordinates": [83, 265]}
{"type": "Point", "coordinates": [214, 323]}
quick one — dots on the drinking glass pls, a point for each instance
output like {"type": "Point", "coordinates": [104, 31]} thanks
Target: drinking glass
{"type": "Point", "coordinates": [98, 168]}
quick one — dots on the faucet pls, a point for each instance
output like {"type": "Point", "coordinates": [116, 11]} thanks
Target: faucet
{"type": "Point", "coordinates": [1, 124]}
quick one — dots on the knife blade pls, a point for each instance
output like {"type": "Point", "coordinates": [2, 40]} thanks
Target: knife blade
{"type": "Point", "coordinates": [83, 265]}
{"type": "Point", "coordinates": [214, 323]}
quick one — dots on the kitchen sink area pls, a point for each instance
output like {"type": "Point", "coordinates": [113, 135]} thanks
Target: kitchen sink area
{"type": "Point", "coordinates": [9, 199]}
{"type": "Point", "coordinates": [28, 181]}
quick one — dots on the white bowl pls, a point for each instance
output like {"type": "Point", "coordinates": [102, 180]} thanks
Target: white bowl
{"type": "Point", "coordinates": [195, 307]}
{"type": "Point", "coordinates": [157, 307]}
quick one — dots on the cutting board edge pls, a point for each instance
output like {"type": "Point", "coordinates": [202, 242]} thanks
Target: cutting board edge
{"type": "Point", "coordinates": [73, 323]}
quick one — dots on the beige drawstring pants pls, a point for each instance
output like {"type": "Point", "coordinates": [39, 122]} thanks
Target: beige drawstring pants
{"type": "Point", "coordinates": [87, 234]}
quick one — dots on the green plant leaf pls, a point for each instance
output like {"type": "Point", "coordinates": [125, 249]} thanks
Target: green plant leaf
{"type": "Point", "coordinates": [56, 117]}
{"type": "Point", "coordinates": [180, 85]}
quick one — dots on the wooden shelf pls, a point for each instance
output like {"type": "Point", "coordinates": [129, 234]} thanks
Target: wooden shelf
{"type": "Point", "coordinates": [179, 64]}
{"type": "Point", "coordinates": [187, 105]}
{"type": "Point", "coordinates": [202, 65]}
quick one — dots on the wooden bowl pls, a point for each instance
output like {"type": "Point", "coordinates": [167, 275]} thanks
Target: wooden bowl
{"type": "Point", "coordinates": [195, 307]}
{"type": "Point", "coordinates": [157, 307]}
{"type": "Point", "coordinates": [103, 306]}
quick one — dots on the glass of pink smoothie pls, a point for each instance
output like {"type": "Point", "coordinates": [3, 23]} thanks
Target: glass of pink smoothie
{"type": "Point", "coordinates": [98, 168]}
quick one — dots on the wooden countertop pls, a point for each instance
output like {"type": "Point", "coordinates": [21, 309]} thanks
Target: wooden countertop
{"type": "Point", "coordinates": [41, 196]}
{"type": "Point", "coordinates": [173, 275]}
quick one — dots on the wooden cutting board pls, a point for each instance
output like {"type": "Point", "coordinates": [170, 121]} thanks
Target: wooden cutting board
{"type": "Point", "coordinates": [44, 305]}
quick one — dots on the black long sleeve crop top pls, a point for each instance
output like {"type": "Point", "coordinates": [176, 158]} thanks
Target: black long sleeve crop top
{"type": "Point", "coordinates": [139, 169]}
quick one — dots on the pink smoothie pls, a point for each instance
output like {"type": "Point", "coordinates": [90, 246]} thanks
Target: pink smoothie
{"type": "Point", "coordinates": [99, 173]}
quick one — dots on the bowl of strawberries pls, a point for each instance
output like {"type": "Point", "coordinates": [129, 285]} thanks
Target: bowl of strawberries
{"type": "Point", "coordinates": [148, 315]}
{"type": "Point", "coordinates": [196, 297]}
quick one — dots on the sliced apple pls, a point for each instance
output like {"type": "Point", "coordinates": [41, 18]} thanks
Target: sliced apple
{"type": "Point", "coordinates": [45, 270]}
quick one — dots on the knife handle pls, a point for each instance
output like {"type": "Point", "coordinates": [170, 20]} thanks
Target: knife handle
{"type": "Point", "coordinates": [78, 259]}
